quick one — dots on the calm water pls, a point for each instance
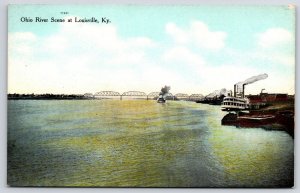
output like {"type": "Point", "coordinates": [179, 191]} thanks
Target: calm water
{"type": "Point", "coordinates": [140, 143]}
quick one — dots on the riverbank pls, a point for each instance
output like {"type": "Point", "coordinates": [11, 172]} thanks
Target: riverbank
{"type": "Point", "coordinates": [46, 97]}
{"type": "Point", "coordinates": [274, 116]}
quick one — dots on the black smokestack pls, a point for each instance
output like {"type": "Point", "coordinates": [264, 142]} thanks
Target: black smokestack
{"type": "Point", "coordinates": [234, 94]}
{"type": "Point", "coordinates": [243, 95]}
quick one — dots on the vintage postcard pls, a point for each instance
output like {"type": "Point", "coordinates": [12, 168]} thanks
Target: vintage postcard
{"type": "Point", "coordinates": [151, 96]}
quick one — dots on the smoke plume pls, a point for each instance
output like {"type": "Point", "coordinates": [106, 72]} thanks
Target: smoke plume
{"type": "Point", "coordinates": [250, 81]}
{"type": "Point", "coordinates": [218, 93]}
{"type": "Point", "coordinates": [164, 91]}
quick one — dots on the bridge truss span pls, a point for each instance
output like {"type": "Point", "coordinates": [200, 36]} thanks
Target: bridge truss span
{"type": "Point", "coordinates": [153, 95]}
{"type": "Point", "coordinates": [107, 95]}
{"type": "Point", "coordinates": [142, 95]}
{"type": "Point", "coordinates": [134, 95]}
{"type": "Point", "coordinates": [196, 97]}
{"type": "Point", "coordinates": [181, 96]}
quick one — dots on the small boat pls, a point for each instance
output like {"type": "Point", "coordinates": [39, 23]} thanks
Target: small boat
{"type": "Point", "coordinates": [161, 99]}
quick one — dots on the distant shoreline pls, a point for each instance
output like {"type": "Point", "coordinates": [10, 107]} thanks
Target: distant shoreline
{"type": "Point", "coordinates": [47, 97]}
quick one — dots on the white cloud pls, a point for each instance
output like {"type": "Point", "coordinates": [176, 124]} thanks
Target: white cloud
{"type": "Point", "coordinates": [76, 59]}
{"type": "Point", "coordinates": [22, 37]}
{"type": "Point", "coordinates": [223, 75]}
{"type": "Point", "coordinates": [287, 60]}
{"type": "Point", "coordinates": [21, 43]}
{"type": "Point", "coordinates": [57, 43]}
{"type": "Point", "coordinates": [199, 34]}
{"type": "Point", "coordinates": [274, 37]}
{"type": "Point", "coordinates": [141, 42]}
{"type": "Point", "coordinates": [226, 75]}
{"type": "Point", "coordinates": [277, 46]}
{"type": "Point", "coordinates": [179, 35]}
{"type": "Point", "coordinates": [81, 58]}
{"type": "Point", "coordinates": [184, 56]}
{"type": "Point", "coordinates": [206, 38]}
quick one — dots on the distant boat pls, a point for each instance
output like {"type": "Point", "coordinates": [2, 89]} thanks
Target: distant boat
{"type": "Point", "coordinates": [161, 99]}
{"type": "Point", "coordinates": [234, 104]}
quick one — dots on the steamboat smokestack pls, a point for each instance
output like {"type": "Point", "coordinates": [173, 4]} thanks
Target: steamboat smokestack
{"type": "Point", "coordinates": [243, 93]}
{"type": "Point", "coordinates": [240, 86]}
{"type": "Point", "coordinates": [234, 92]}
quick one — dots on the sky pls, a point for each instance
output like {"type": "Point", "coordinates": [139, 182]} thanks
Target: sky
{"type": "Point", "coordinates": [192, 49]}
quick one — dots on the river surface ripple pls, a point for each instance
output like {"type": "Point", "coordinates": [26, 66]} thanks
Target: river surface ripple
{"type": "Point", "coordinates": [140, 143]}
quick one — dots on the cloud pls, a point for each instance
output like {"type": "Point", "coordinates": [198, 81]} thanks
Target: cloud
{"type": "Point", "coordinates": [276, 46]}
{"type": "Point", "coordinates": [21, 43]}
{"type": "Point", "coordinates": [198, 34]}
{"type": "Point", "coordinates": [274, 58]}
{"type": "Point", "coordinates": [226, 75]}
{"type": "Point", "coordinates": [207, 77]}
{"type": "Point", "coordinates": [179, 35]}
{"type": "Point", "coordinates": [184, 56]}
{"type": "Point", "coordinates": [78, 58]}
{"type": "Point", "coordinates": [274, 37]}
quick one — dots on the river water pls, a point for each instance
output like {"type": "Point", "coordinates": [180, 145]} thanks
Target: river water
{"type": "Point", "coordinates": [140, 143]}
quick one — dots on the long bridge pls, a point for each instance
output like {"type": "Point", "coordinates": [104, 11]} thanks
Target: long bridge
{"type": "Point", "coordinates": [141, 95]}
